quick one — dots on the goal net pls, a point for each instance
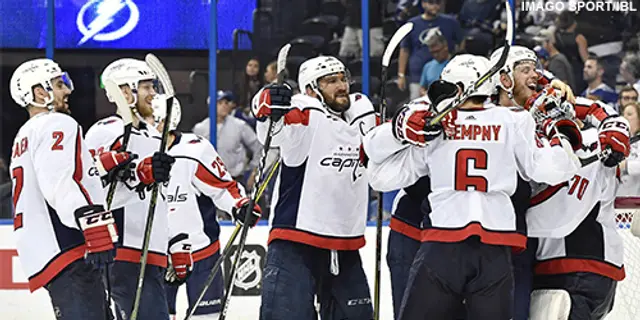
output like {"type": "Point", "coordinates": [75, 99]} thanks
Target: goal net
{"type": "Point", "coordinates": [626, 306]}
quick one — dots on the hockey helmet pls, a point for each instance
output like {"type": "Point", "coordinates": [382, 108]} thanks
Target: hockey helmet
{"type": "Point", "coordinates": [32, 73]}
{"type": "Point", "coordinates": [159, 105]}
{"type": "Point", "coordinates": [316, 68]}
{"type": "Point", "coordinates": [517, 54]}
{"type": "Point", "coordinates": [129, 72]}
{"type": "Point", "coordinates": [464, 70]}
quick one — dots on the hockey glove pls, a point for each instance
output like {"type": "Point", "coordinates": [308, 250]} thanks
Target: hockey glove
{"type": "Point", "coordinates": [614, 135]}
{"type": "Point", "coordinates": [113, 165]}
{"type": "Point", "coordinates": [410, 125]}
{"type": "Point", "coordinates": [274, 101]}
{"type": "Point", "coordinates": [100, 233]}
{"type": "Point", "coordinates": [180, 260]}
{"type": "Point", "coordinates": [563, 129]}
{"type": "Point", "coordinates": [240, 210]}
{"type": "Point", "coordinates": [155, 168]}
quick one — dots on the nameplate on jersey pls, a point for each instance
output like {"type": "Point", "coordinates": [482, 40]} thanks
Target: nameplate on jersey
{"type": "Point", "coordinates": [474, 132]}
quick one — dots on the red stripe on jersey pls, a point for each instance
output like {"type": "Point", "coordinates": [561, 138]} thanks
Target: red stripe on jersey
{"type": "Point", "coordinates": [206, 252]}
{"type": "Point", "coordinates": [133, 256]}
{"type": "Point", "coordinates": [316, 240]}
{"type": "Point", "coordinates": [404, 228]}
{"type": "Point", "coordinates": [546, 194]}
{"type": "Point", "coordinates": [17, 221]}
{"type": "Point", "coordinates": [297, 116]}
{"type": "Point", "coordinates": [54, 267]}
{"type": "Point", "coordinates": [571, 265]}
{"type": "Point", "coordinates": [500, 238]}
{"type": "Point", "coordinates": [594, 109]}
{"type": "Point", "coordinates": [204, 175]}
{"type": "Point", "coordinates": [78, 173]}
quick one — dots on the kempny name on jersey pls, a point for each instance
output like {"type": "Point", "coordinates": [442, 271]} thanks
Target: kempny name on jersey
{"type": "Point", "coordinates": [476, 132]}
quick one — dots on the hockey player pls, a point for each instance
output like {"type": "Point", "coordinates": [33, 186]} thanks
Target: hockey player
{"type": "Point", "coordinates": [63, 233]}
{"type": "Point", "coordinates": [320, 201]}
{"type": "Point", "coordinates": [199, 183]}
{"type": "Point", "coordinates": [473, 168]}
{"type": "Point", "coordinates": [135, 169]}
{"type": "Point", "coordinates": [579, 255]}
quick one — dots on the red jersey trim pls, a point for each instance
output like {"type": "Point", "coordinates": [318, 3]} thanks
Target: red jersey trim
{"type": "Point", "coordinates": [547, 193]}
{"type": "Point", "coordinates": [55, 266]}
{"type": "Point", "coordinates": [404, 228]}
{"type": "Point", "coordinates": [133, 255]}
{"type": "Point", "coordinates": [329, 243]}
{"type": "Point", "coordinates": [501, 238]}
{"type": "Point", "coordinates": [206, 252]}
{"type": "Point", "coordinates": [203, 174]}
{"type": "Point", "coordinates": [571, 265]}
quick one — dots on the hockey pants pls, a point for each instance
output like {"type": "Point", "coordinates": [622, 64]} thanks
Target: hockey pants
{"type": "Point", "coordinates": [400, 253]}
{"type": "Point", "coordinates": [443, 275]}
{"type": "Point", "coordinates": [591, 294]}
{"type": "Point", "coordinates": [78, 292]}
{"type": "Point", "coordinates": [211, 301]}
{"type": "Point", "coordinates": [124, 282]}
{"type": "Point", "coordinates": [523, 279]}
{"type": "Point", "coordinates": [295, 273]}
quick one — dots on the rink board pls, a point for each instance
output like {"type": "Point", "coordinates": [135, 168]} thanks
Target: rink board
{"type": "Point", "coordinates": [16, 302]}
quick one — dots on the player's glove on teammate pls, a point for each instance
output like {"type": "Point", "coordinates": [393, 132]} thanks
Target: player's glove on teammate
{"type": "Point", "coordinates": [273, 102]}
{"type": "Point", "coordinates": [410, 125]}
{"type": "Point", "coordinates": [100, 233]}
{"type": "Point", "coordinates": [180, 260]}
{"type": "Point", "coordinates": [563, 129]}
{"type": "Point", "coordinates": [155, 168]}
{"type": "Point", "coordinates": [239, 212]}
{"type": "Point", "coordinates": [113, 165]}
{"type": "Point", "coordinates": [614, 136]}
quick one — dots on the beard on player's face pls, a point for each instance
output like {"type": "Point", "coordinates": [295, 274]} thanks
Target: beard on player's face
{"type": "Point", "coordinates": [526, 80]}
{"type": "Point", "coordinates": [335, 92]}
{"type": "Point", "coordinates": [61, 95]}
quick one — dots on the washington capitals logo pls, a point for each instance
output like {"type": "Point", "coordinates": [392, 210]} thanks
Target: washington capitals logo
{"type": "Point", "coordinates": [107, 20]}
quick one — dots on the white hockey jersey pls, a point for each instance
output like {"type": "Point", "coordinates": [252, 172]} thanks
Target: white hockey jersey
{"type": "Point", "coordinates": [320, 196]}
{"type": "Point", "coordinates": [130, 206]}
{"type": "Point", "coordinates": [575, 221]}
{"type": "Point", "coordinates": [53, 176]}
{"type": "Point", "coordinates": [473, 174]}
{"type": "Point", "coordinates": [199, 182]}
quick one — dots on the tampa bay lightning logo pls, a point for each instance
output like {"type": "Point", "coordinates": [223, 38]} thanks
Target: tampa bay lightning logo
{"type": "Point", "coordinates": [107, 20]}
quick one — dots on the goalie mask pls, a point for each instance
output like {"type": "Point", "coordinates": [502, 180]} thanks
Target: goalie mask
{"type": "Point", "coordinates": [159, 104]}
{"type": "Point", "coordinates": [327, 67]}
{"type": "Point", "coordinates": [33, 73]}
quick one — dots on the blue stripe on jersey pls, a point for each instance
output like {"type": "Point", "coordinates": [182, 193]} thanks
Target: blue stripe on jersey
{"type": "Point", "coordinates": [208, 213]}
{"type": "Point", "coordinates": [410, 211]}
{"type": "Point", "coordinates": [520, 200]}
{"type": "Point", "coordinates": [68, 238]}
{"type": "Point", "coordinates": [118, 216]}
{"type": "Point", "coordinates": [289, 194]}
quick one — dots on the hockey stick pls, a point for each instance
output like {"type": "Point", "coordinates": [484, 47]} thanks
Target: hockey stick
{"type": "Point", "coordinates": [281, 65]}
{"type": "Point", "coordinates": [386, 59]}
{"type": "Point", "coordinates": [605, 153]}
{"type": "Point", "coordinates": [485, 77]}
{"type": "Point", "coordinates": [226, 251]}
{"type": "Point", "coordinates": [160, 71]}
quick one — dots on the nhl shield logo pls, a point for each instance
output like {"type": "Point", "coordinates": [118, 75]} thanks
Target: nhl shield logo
{"type": "Point", "coordinates": [248, 279]}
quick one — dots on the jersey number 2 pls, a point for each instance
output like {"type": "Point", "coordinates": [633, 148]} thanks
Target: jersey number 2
{"type": "Point", "coordinates": [58, 135]}
{"type": "Point", "coordinates": [219, 165]}
{"type": "Point", "coordinates": [463, 180]}
{"type": "Point", "coordinates": [18, 174]}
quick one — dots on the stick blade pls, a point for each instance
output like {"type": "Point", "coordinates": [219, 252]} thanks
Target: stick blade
{"type": "Point", "coordinates": [282, 62]}
{"type": "Point", "coordinates": [121, 102]}
{"type": "Point", "coordinates": [395, 41]}
{"type": "Point", "coordinates": [161, 72]}
{"type": "Point", "coordinates": [509, 37]}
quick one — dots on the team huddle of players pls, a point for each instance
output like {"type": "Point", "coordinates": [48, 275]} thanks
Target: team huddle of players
{"type": "Point", "coordinates": [494, 196]}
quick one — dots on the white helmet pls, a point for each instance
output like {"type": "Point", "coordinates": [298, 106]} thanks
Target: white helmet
{"type": "Point", "coordinates": [129, 72]}
{"type": "Point", "coordinates": [159, 105]}
{"type": "Point", "coordinates": [316, 68]}
{"type": "Point", "coordinates": [32, 73]}
{"type": "Point", "coordinates": [516, 55]}
{"type": "Point", "coordinates": [466, 69]}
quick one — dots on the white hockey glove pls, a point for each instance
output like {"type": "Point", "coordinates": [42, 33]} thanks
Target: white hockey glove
{"type": "Point", "coordinates": [180, 260]}
{"type": "Point", "coordinates": [274, 101]}
{"type": "Point", "coordinates": [410, 125]}
{"type": "Point", "coordinates": [548, 103]}
{"type": "Point", "coordinates": [100, 234]}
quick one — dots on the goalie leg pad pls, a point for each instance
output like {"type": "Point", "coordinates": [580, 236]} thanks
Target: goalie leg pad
{"type": "Point", "coordinates": [550, 304]}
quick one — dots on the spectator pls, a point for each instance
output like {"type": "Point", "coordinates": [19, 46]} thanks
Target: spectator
{"type": "Point", "coordinates": [235, 140]}
{"type": "Point", "coordinates": [630, 168]}
{"type": "Point", "coordinates": [593, 73]}
{"type": "Point", "coordinates": [413, 49]}
{"type": "Point", "coordinates": [250, 84]}
{"type": "Point", "coordinates": [438, 47]}
{"type": "Point", "coordinates": [627, 95]}
{"type": "Point", "coordinates": [271, 72]}
{"type": "Point", "coordinates": [573, 45]}
{"type": "Point", "coordinates": [630, 70]}
{"type": "Point", "coordinates": [6, 205]}
{"type": "Point", "coordinates": [556, 62]}
{"type": "Point", "coordinates": [351, 45]}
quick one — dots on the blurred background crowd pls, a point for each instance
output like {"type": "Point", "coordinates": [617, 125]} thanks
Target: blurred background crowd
{"type": "Point", "coordinates": [596, 53]}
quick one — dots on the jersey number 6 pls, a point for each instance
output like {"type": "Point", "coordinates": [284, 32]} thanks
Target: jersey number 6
{"type": "Point", "coordinates": [463, 180]}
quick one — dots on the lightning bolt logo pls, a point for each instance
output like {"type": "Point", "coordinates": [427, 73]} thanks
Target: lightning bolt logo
{"type": "Point", "coordinates": [105, 12]}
